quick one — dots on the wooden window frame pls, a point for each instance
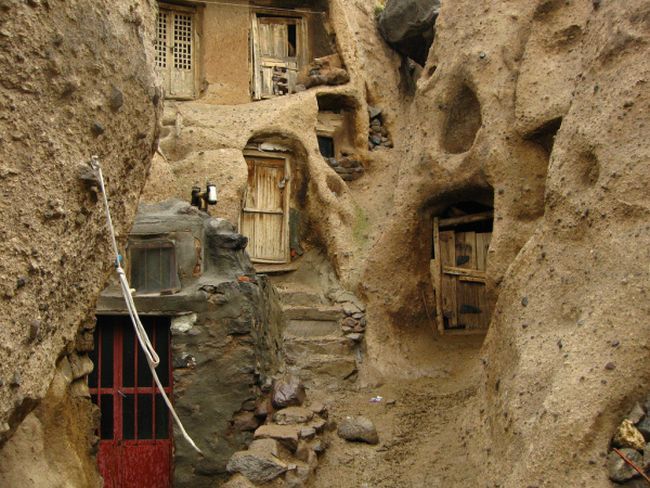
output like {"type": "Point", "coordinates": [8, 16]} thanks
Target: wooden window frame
{"type": "Point", "coordinates": [173, 268]}
{"type": "Point", "coordinates": [302, 48]}
{"type": "Point", "coordinates": [193, 11]}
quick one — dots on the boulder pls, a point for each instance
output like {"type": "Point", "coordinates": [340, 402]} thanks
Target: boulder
{"type": "Point", "coordinates": [258, 465]}
{"type": "Point", "coordinates": [287, 392]}
{"type": "Point", "coordinates": [618, 469]}
{"type": "Point", "coordinates": [408, 26]}
{"type": "Point", "coordinates": [628, 436]}
{"type": "Point", "coordinates": [287, 435]}
{"type": "Point", "coordinates": [358, 429]}
{"type": "Point", "coordinates": [292, 416]}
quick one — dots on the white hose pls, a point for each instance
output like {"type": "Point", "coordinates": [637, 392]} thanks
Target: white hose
{"type": "Point", "coordinates": [150, 353]}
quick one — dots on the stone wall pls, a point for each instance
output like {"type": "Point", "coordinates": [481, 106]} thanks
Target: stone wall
{"type": "Point", "coordinates": [226, 325]}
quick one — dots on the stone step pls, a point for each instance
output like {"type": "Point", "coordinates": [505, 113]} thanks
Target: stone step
{"type": "Point", "coordinates": [302, 298]}
{"type": "Point", "coordinates": [312, 328]}
{"type": "Point", "coordinates": [321, 312]}
{"type": "Point", "coordinates": [324, 368]}
{"type": "Point", "coordinates": [298, 347]}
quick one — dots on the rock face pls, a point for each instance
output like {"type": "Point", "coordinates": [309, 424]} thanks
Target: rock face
{"type": "Point", "coordinates": [78, 80]}
{"type": "Point", "coordinates": [358, 429]}
{"type": "Point", "coordinates": [408, 25]}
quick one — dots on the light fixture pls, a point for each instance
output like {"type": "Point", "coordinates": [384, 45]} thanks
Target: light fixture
{"type": "Point", "coordinates": [202, 199]}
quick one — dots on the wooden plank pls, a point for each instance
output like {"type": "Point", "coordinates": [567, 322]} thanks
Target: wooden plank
{"type": "Point", "coordinates": [466, 219]}
{"type": "Point", "coordinates": [482, 245]}
{"type": "Point", "coordinates": [465, 250]}
{"type": "Point", "coordinates": [435, 268]}
{"type": "Point", "coordinates": [484, 305]}
{"type": "Point", "coordinates": [257, 210]}
{"type": "Point", "coordinates": [256, 80]}
{"type": "Point", "coordinates": [447, 248]}
{"type": "Point", "coordinates": [469, 307]}
{"type": "Point", "coordinates": [449, 305]}
{"type": "Point", "coordinates": [472, 279]}
{"type": "Point", "coordinates": [474, 273]}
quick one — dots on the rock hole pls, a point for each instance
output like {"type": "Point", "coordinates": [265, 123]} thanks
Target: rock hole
{"type": "Point", "coordinates": [588, 169]}
{"type": "Point", "coordinates": [462, 123]}
{"type": "Point", "coordinates": [544, 135]}
{"type": "Point", "coordinates": [334, 184]}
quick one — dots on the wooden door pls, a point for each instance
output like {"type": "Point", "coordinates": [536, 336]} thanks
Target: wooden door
{"type": "Point", "coordinates": [135, 447]}
{"type": "Point", "coordinates": [277, 50]}
{"type": "Point", "coordinates": [175, 52]}
{"type": "Point", "coordinates": [264, 218]}
{"type": "Point", "coordinates": [458, 272]}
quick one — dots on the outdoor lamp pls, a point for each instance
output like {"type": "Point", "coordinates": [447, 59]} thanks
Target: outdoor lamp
{"type": "Point", "coordinates": [202, 199]}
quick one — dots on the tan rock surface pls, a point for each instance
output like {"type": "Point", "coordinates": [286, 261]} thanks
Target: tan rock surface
{"type": "Point", "coordinates": [77, 81]}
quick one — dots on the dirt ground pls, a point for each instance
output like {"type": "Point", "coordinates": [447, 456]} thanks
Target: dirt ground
{"type": "Point", "coordinates": [423, 426]}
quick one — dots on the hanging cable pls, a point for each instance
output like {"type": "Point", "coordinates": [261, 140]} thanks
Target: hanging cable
{"type": "Point", "coordinates": [150, 353]}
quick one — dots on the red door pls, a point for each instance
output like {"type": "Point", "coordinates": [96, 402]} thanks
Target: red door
{"type": "Point", "coordinates": [135, 447]}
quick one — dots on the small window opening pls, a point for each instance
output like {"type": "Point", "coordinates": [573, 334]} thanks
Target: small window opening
{"type": "Point", "coordinates": [291, 40]}
{"type": "Point", "coordinates": [153, 267]}
{"type": "Point", "coordinates": [326, 146]}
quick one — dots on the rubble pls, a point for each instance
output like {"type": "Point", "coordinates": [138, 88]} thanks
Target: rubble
{"type": "Point", "coordinates": [286, 448]}
{"type": "Point", "coordinates": [378, 135]}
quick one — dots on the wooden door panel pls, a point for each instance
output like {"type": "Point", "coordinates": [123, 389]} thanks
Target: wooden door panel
{"type": "Point", "coordinates": [482, 244]}
{"type": "Point", "coordinates": [264, 217]}
{"type": "Point", "coordinates": [469, 304]}
{"type": "Point", "coordinates": [449, 304]}
{"type": "Point", "coordinates": [465, 250]}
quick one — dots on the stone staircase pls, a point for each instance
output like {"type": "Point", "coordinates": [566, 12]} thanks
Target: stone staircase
{"type": "Point", "coordinates": [316, 349]}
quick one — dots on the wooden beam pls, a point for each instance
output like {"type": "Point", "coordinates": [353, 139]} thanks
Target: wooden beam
{"type": "Point", "coordinates": [466, 219]}
{"type": "Point", "coordinates": [472, 273]}
{"type": "Point", "coordinates": [436, 274]}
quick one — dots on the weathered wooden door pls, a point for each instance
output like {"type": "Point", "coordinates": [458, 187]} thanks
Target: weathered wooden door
{"type": "Point", "coordinates": [277, 51]}
{"type": "Point", "coordinates": [135, 447]}
{"type": "Point", "coordinates": [458, 272]}
{"type": "Point", "coordinates": [175, 52]}
{"type": "Point", "coordinates": [264, 218]}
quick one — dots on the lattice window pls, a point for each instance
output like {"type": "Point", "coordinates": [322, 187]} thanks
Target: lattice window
{"type": "Point", "coordinates": [182, 41]}
{"type": "Point", "coordinates": [161, 40]}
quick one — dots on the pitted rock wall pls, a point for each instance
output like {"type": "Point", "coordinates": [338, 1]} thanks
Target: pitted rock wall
{"type": "Point", "coordinates": [77, 80]}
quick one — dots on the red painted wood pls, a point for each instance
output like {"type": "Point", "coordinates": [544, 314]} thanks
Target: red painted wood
{"type": "Point", "coordinates": [123, 462]}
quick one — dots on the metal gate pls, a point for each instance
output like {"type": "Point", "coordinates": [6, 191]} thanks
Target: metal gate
{"type": "Point", "coordinates": [135, 447]}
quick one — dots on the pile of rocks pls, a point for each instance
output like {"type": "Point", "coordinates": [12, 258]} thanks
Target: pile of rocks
{"type": "Point", "coordinates": [286, 447]}
{"type": "Point", "coordinates": [632, 439]}
{"type": "Point", "coordinates": [348, 167]}
{"type": "Point", "coordinates": [353, 324]}
{"type": "Point", "coordinates": [327, 70]}
{"type": "Point", "coordinates": [378, 136]}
